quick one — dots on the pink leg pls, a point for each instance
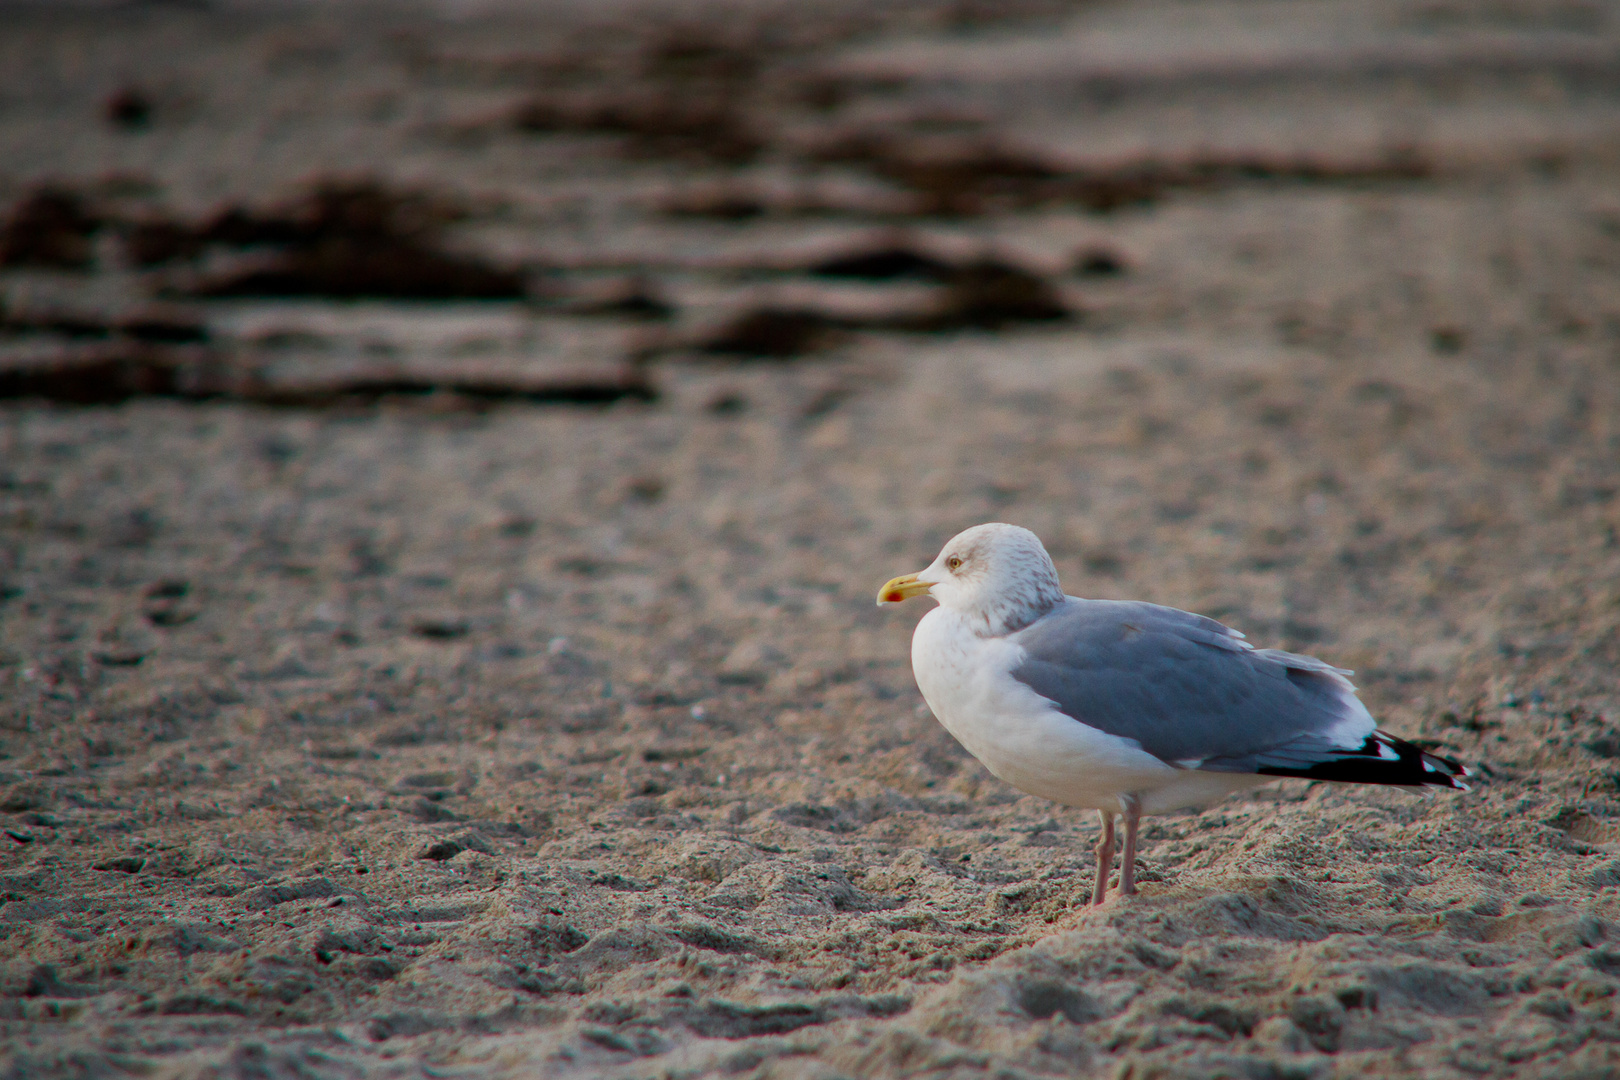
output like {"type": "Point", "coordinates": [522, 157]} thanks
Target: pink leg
{"type": "Point", "coordinates": [1127, 862]}
{"type": "Point", "coordinates": [1105, 857]}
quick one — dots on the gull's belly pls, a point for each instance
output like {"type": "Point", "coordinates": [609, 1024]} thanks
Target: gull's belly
{"type": "Point", "coordinates": [1015, 732]}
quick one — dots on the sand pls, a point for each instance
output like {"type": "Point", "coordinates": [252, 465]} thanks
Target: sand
{"type": "Point", "coordinates": [403, 731]}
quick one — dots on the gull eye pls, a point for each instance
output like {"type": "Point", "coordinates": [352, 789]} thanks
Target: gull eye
{"type": "Point", "coordinates": [953, 562]}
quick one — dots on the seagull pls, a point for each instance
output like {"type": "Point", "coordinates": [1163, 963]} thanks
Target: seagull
{"type": "Point", "coordinates": [1125, 707]}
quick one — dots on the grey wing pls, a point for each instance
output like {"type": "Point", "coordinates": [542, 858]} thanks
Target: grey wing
{"type": "Point", "coordinates": [1187, 689]}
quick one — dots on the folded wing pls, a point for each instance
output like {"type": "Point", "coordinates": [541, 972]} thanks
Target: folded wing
{"type": "Point", "coordinates": [1193, 693]}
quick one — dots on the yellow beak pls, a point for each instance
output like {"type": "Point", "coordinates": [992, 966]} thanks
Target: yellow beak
{"type": "Point", "coordinates": [901, 588]}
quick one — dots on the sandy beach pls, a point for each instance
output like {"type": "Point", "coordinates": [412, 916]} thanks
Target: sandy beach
{"type": "Point", "coordinates": [448, 455]}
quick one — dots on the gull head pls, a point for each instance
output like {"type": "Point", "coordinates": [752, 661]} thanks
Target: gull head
{"type": "Point", "coordinates": [998, 576]}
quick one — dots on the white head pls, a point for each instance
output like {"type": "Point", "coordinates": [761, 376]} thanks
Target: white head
{"type": "Point", "coordinates": [999, 576]}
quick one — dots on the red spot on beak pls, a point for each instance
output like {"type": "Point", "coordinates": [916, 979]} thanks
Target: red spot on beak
{"type": "Point", "coordinates": [894, 598]}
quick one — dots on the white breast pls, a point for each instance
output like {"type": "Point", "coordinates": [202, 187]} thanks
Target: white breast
{"type": "Point", "coordinates": [1017, 734]}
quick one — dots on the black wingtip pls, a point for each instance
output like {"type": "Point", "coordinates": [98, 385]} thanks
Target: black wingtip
{"type": "Point", "coordinates": [1382, 759]}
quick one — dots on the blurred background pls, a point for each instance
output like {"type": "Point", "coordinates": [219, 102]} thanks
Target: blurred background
{"type": "Point", "coordinates": [757, 179]}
